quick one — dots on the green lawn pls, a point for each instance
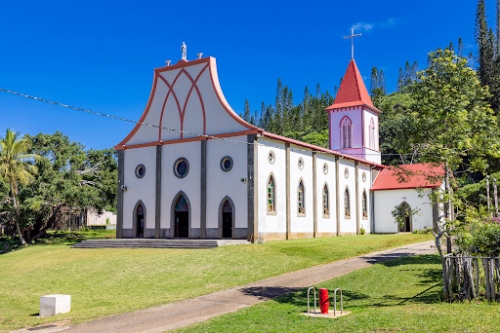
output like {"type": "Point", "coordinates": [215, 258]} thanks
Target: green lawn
{"type": "Point", "coordinates": [397, 296]}
{"type": "Point", "coordinates": [103, 282]}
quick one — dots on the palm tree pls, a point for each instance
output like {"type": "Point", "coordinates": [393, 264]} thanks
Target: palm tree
{"type": "Point", "coordinates": [15, 168]}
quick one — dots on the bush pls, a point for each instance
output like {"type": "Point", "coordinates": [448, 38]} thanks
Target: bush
{"type": "Point", "coordinates": [480, 237]}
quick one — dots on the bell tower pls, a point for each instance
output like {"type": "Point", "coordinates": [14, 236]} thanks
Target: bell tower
{"type": "Point", "coordinates": [353, 119]}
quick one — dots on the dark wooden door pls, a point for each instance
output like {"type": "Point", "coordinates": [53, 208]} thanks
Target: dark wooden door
{"type": "Point", "coordinates": [181, 224]}
{"type": "Point", "coordinates": [140, 222]}
{"type": "Point", "coordinates": [227, 225]}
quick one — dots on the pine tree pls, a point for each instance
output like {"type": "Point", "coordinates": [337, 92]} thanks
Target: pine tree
{"type": "Point", "coordinates": [377, 85]}
{"type": "Point", "coordinates": [497, 54]}
{"type": "Point", "coordinates": [489, 58]}
{"type": "Point", "coordinates": [460, 49]}
{"type": "Point", "coordinates": [246, 114]}
{"type": "Point", "coordinates": [400, 80]}
{"type": "Point", "coordinates": [483, 42]}
{"type": "Point", "coordinates": [262, 120]}
{"type": "Point", "coordinates": [254, 119]}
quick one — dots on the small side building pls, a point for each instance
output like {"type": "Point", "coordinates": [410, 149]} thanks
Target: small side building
{"type": "Point", "coordinates": [407, 189]}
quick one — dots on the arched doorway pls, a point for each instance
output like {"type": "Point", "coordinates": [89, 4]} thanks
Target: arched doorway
{"type": "Point", "coordinates": [405, 215]}
{"type": "Point", "coordinates": [227, 218]}
{"type": "Point", "coordinates": [181, 217]}
{"type": "Point", "coordinates": [140, 220]}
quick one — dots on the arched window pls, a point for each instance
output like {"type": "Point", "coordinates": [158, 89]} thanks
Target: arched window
{"type": "Point", "coordinates": [347, 203]}
{"type": "Point", "coordinates": [364, 204]}
{"type": "Point", "coordinates": [346, 130]}
{"type": "Point", "coordinates": [300, 198]}
{"type": "Point", "coordinates": [271, 198]}
{"type": "Point", "coordinates": [326, 201]}
{"type": "Point", "coordinates": [371, 131]}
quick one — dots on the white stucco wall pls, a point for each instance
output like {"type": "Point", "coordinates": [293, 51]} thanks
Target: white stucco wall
{"type": "Point", "coordinates": [106, 218]}
{"type": "Point", "coordinates": [335, 119]}
{"type": "Point", "coordinates": [271, 222]}
{"type": "Point", "coordinates": [365, 222]}
{"type": "Point", "coordinates": [301, 223]}
{"type": "Point", "coordinates": [370, 154]}
{"type": "Point", "coordinates": [171, 185]}
{"type": "Point", "coordinates": [221, 184]}
{"type": "Point", "coordinates": [328, 223]}
{"type": "Point", "coordinates": [387, 201]}
{"type": "Point", "coordinates": [139, 188]}
{"type": "Point", "coordinates": [347, 224]}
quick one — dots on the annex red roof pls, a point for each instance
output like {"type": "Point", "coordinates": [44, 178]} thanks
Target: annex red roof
{"type": "Point", "coordinates": [352, 91]}
{"type": "Point", "coordinates": [422, 175]}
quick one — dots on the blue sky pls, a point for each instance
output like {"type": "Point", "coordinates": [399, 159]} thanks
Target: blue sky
{"type": "Point", "coordinates": [100, 55]}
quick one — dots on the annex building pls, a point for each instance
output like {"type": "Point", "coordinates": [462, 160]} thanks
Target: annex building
{"type": "Point", "coordinates": [197, 170]}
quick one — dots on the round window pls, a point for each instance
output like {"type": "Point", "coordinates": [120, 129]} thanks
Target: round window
{"type": "Point", "coordinates": [140, 171]}
{"type": "Point", "coordinates": [325, 168]}
{"type": "Point", "coordinates": [301, 163]}
{"type": "Point", "coordinates": [181, 167]}
{"type": "Point", "coordinates": [363, 177]}
{"type": "Point", "coordinates": [226, 164]}
{"type": "Point", "coordinates": [346, 173]}
{"type": "Point", "coordinates": [271, 158]}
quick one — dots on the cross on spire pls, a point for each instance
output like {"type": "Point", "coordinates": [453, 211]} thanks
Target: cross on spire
{"type": "Point", "coordinates": [351, 37]}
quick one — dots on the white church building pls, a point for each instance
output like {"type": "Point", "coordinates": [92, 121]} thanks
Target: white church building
{"type": "Point", "coordinates": [192, 168]}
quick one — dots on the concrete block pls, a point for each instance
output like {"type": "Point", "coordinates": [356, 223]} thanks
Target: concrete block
{"type": "Point", "coordinates": [50, 305]}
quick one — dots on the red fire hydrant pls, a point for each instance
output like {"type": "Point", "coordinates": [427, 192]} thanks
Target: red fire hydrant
{"type": "Point", "coordinates": [323, 300]}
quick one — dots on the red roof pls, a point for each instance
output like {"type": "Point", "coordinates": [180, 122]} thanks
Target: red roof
{"type": "Point", "coordinates": [352, 91]}
{"type": "Point", "coordinates": [424, 175]}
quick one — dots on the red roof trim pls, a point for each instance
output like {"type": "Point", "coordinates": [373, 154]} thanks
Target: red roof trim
{"type": "Point", "coordinates": [320, 149]}
{"type": "Point", "coordinates": [409, 176]}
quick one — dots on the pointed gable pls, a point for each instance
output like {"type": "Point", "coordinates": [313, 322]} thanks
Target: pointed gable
{"type": "Point", "coordinates": [186, 103]}
{"type": "Point", "coordinates": [352, 91]}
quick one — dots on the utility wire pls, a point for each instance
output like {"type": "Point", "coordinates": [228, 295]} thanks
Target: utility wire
{"type": "Point", "coordinates": [170, 129]}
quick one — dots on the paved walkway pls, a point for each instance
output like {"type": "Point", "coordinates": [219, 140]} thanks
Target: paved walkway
{"type": "Point", "coordinates": [175, 315]}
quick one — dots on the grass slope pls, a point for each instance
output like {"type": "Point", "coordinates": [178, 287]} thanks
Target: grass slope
{"type": "Point", "coordinates": [398, 296]}
{"type": "Point", "coordinates": [103, 282]}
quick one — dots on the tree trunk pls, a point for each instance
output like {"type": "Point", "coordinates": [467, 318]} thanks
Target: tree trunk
{"type": "Point", "coordinates": [16, 211]}
{"type": "Point", "coordinates": [447, 205]}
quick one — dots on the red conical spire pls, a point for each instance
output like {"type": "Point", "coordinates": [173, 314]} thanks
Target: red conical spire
{"type": "Point", "coordinates": [352, 91]}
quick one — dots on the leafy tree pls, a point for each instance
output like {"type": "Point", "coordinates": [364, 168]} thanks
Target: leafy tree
{"type": "Point", "coordinates": [393, 143]}
{"type": "Point", "coordinates": [70, 180]}
{"type": "Point", "coordinates": [450, 120]}
{"type": "Point", "coordinates": [16, 168]}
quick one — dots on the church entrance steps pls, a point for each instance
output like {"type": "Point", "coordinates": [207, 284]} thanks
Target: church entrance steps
{"type": "Point", "coordinates": [156, 243]}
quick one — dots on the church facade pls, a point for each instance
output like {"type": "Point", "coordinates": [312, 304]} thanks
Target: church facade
{"type": "Point", "coordinates": [192, 168]}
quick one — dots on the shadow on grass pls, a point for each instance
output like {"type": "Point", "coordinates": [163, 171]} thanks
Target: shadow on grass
{"type": "Point", "coordinates": [64, 238]}
{"type": "Point", "coordinates": [267, 293]}
{"type": "Point", "coordinates": [425, 259]}
{"type": "Point", "coordinates": [8, 245]}
{"type": "Point", "coordinates": [430, 279]}
{"type": "Point", "coordinates": [397, 259]}
{"type": "Point", "coordinates": [356, 299]}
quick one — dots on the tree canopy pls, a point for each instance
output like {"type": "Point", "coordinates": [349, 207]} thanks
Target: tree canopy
{"type": "Point", "coordinates": [70, 180]}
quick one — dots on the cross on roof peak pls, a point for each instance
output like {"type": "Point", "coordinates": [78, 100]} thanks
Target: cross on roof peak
{"type": "Point", "coordinates": [351, 37]}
